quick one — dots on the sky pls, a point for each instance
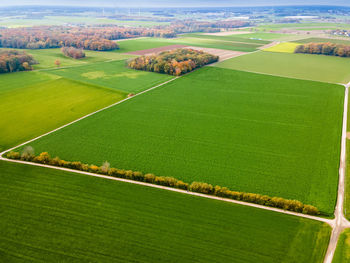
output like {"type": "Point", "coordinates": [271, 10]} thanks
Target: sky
{"type": "Point", "coordinates": [173, 3]}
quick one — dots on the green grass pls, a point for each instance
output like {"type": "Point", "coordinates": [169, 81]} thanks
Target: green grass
{"type": "Point", "coordinates": [189, 40]}
{"type": "Point", "coordinates": [55, 216]}
{"type": "Point", "coordinates": [323, 40]}
{"type": "Point", "coordinates": [285, 47]}
{"type": "Point", "coordinates": [249, 132]}
{"type": "Point", "coordinates": [47, 57]}
{"type": "Point", "coordinates": [347, 180]}
{"type": "Point", "coordinates": [342, 253]}
{"type": "Point", "coordinates": [301, 66]}
{"type": "Point", "coordinates": [33, 103]}
{"type": "Point", "coordinates": [114, 75]}
{"type": "Point", "coordinates": [233, 38]}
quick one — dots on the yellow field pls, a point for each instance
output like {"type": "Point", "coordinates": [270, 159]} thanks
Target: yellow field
{"type": "Point", "coordinates": [285, 47]}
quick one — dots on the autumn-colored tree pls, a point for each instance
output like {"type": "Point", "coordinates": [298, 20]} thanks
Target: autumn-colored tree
{"type": "Point", "coordinates": [57, 62]}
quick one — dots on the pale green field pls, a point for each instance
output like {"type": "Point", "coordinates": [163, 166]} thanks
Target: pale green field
{"type": "Point", "coordinates": [300, 66]}
{"type": "Point", "coordinates": [342, 253]}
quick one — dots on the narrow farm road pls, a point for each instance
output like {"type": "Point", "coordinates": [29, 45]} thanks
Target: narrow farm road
{"type": "Point", "coordinates": [340, 222]}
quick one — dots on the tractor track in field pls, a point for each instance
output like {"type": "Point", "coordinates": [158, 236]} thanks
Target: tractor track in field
{"type": "Point", "coordinates": [338, 224]}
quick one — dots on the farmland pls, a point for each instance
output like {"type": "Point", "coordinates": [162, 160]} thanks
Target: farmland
{"type": "Point", "coordinates": [342, 254]}
{"type": "Point", "coordinates": [285, 47]}
{"type": "Point", "coordinates": [323, 40]}
{"type": "Point", "coordinates": [50, 215]}
{"type": "Point", "coordinates": [145, 132]}
{"type": "Point", "coordinates": [35, 103]}
{"type": "Point", "coordinates": [301, 66]}
{"type": "Point", "coordinates": [114, 75]}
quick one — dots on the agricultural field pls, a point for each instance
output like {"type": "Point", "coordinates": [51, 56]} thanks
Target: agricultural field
{"type": "Point", "coordinates": [269, 36]}
{"type": "Point", "coordinates": [284, 47]}
{"type": "Point", "coordinates": [50, 215]}
{"type": "Point", "coordinates": [301, 66]}
{"type": "Point", "coordinates": [261, 134]}
{"type": "Point", "coordinates": [233, 38]}
{"type": "Point", "coordinates": [113, 75]}
{"type": "Point", "coordinates": [342, 254]}
{"type": "Point", "coordinates": [33, 103]}
{"type": "Point", "coordinates": [323, 40]}
{"type": "Point", "coordinates": [189, 40]}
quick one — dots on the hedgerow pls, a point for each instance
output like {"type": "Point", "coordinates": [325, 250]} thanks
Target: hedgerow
{"type": "Point", "coordinates": [199, 187]}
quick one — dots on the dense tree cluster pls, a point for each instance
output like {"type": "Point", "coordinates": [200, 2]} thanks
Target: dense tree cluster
{"type": "Point", "coordinates": [175, 62]}
{"type": "Point", "coordinates": [44, 158]}
{"type": "Point", "coordinates": [329, 49]}
{"type": "Point", "coordinates": [12, 60]}
{"type": "Point", "coordinates": [73, 52]}
{"type": "Point", "coordinates": [90, 38]}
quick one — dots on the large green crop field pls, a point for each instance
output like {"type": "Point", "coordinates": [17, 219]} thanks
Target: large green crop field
{"type": "Point", "coordinates": [47, 57]}
{"type": "Point", "coordinates": [114, 75]}
{"type": "Point", "coordinates": [233, 38]}
{"type": "Point", "coordinates": [189, 40]}
{"type": "Point", "coordinates": [55, 216]}
{"type": "Point", "coordinates": [250, 132]}
{"type": "Point", "coordinates": [301, 66]}
{"type": "Point", "coordinates": [323, 40]}
{"type": "Point", "coordinates": [342, 254]}
{"type": "Point", "coordinates": [33, 103]}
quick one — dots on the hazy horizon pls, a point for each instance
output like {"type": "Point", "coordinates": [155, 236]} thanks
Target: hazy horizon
{"type": "Point", "coordinates": [179, 3]}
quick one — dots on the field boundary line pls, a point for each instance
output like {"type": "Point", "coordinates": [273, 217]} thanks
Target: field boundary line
{"type": "Point", "coordinates": [340, 222]}
{"type": "Point", "coordinates": [90, 114]}
{"type": "Point", "coordinates": [273, 209]}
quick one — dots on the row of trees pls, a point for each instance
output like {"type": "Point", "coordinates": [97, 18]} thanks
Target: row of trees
{"type": "Point", "coordinates": [73, 52]}
{"type": "Point", "coordinates": [91, 38]}
{"type": "Point", "coordinates": [44, 158]}
{"type": "Point", "coordinates": [175, 62]}
{"type": "Point", "coordinates": [329, 49]}
{"type": "Point", "coordinates": [12, 61]}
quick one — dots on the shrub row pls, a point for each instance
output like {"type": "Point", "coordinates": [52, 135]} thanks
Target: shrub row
{"type": "Point", "coordinates": [44, 158]}
{"type": "Point", "coordinates": [328, 49]}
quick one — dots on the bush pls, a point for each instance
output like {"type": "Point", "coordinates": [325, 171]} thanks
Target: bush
{"type": "Point", "coordinates": [203, 188]}
{"type": "Point", "coordinates": [73, 52]}
{"type": "Point", "coordinates": [199, 187]}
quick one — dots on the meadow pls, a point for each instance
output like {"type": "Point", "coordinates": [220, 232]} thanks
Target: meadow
{"type": "Point", "coordinates": [49, 215]}
{"type": "Point", "coordinates": [113, 75]}
{"type": "Point", "coordinates": [252, 133]}
{"type": "Point", "coordinates": [33, 103]}
{"type": "Point", "coordinates": [301, 66]}
{"type": "Point", "coordinates": [234, 38]}
{"type": "Point", "coordinates": [268, 36]}
{"type": "Point", "coordinates": [189, 40]}
{"type": "Point", "coordinates": [342, 253]}
{"type": "Point", "coordinates": [323, 40]}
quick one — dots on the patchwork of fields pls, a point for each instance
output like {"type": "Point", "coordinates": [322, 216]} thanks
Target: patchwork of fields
{"type": "Point", "coordinates": [223, 124]}
{"type": "Point", "coordinates": [160, 132]}
{"type": "Point", "coordinates": [49, 215]}
{"type": "Point", "coordinates": [301, 66]}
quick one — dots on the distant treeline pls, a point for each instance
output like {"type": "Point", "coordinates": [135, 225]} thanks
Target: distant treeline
{"type": "Point", "coordinates": [175, 62]}
{"type": "Point", "coordinates": [73, 52]}
{"type": "Point", "coordinates": [12, 61]}
{"type": "Point", "coordinates": [328, 49]}
{"type": "Point", "coordinates": [204, 188]}
{"type": "Point", "coordinates": [91, 38]}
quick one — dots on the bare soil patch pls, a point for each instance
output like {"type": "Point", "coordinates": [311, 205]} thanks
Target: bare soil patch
{"type": "Point", "coordinates": [222, 53]}
{"type": "Point", "coordinates": [157, 50]}
{"type": "Point", "coordinates": [227, 33]}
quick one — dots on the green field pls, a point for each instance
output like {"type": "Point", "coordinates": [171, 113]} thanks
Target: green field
{"type": "Point", "coordinates": [323, 40]}
{"type": "Point", "coordinates": [250, 132]}
{"type": "Point", "coordinates": [33, 103]}
{"type": "Point", "coordinates": [55, 216]}
{"type": "Point", "coordinates": [189, 40]}
{"type": "Point", "coordinates": [114, 75]}
{"type": "Point", "coordinates": [47, 57]}
{"type": "Point", "coordinates": [268, 36]}
{"type": "Point", "coordinates": [301, 66]}
{"type": "Point", "coordinates": [342, 253]}
{"type": "Point", "coordinates": [347, 181]}
{"type": "Point", "coordinates": [233, 38]}
{"type": "Point", "coordinates": [285, 47]}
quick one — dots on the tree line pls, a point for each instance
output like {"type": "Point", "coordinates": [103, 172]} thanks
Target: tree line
{"type": "Point", "coordinates": [13, 60]}
{"type": "Point", "coordinates": [73, 52]}
{"type": "Point", "coordinates": [91, 38]}
{"type": "Point", "coordinates": [175, 62]}
{"type": "Point", "coordinates": [329, 49]}
{"type": "Point", "coordinates": [28, 154]}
